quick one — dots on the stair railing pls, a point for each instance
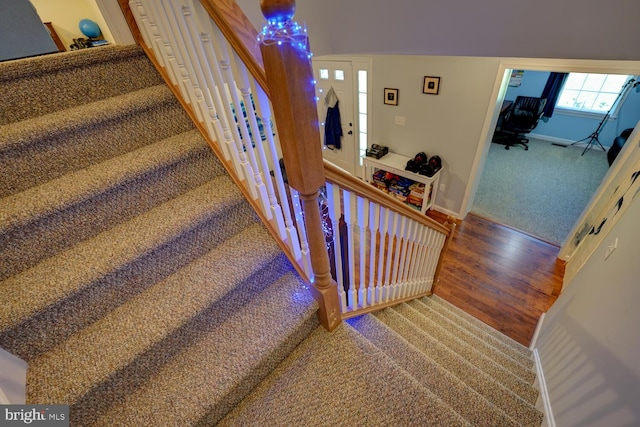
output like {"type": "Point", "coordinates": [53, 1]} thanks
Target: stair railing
{"type": "Point", "coordinates": [329, 223]}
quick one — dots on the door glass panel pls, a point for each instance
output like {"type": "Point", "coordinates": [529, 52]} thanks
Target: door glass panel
{"type": "Point", "coordinates": [362, 81]}
{"type": "Point", "coordinates": [339, 74]}
{"type": "Point", "coordinates": [362, 103]}
{"type": "Point", "coordinates": [324, 74]}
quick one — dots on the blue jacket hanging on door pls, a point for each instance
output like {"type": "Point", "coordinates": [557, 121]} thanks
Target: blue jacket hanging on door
{"type": "Point", "coordinates": [332, 125]}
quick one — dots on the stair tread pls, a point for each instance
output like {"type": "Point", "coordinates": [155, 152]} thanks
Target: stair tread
{"type": "Point", "coordinates": [42, 85]}
{"type": "Point", "coordinates": [230, 356]}
{"type": "Point", "coordinates": [59, 276]}
{"type": "Point", "coordinates": [481, 361]}
{"type": "Point", "coordinates": [340, 378]}
{"type": "Point", "coordinates": [512, 349]}
{"type": "Point", "coordinates": [467, 402]}
{"type": "Point", "coordinates": [478, 343]}
{"type": "Point", "coordinates": [478, 324]}
{"type": "Point", "coordinates": [147, 318]}
{"type": "Point", "coordinates": [500, 396]}
{"type": "Point", "coordinates": [34, 130]}
{"type": "Point", "coordinates": [54, 196]}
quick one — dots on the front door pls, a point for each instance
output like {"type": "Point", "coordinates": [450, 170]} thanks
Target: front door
{"type": "Point", "coordinates": [339, 76]}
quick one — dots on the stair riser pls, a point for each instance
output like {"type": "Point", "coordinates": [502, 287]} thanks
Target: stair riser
{"type": "Point", "coordinates": [477, 342]}
{"type": "Point", "coordinates": [490, 367]}
{"type": "Point", "coordinates": [449, 309]}
{"type": "Point", "coordinates": [98, 298]}
{"type": "Point", "coordinates": [511, 404]}
{"type": "Point", "coordinates": [53, 155]}
{"type": "Point", "coordinates": [471, 405]}
{"type": "Point", "coordinates": [42, 237]}
{"type": "Point", "coordinates": [44, 85]}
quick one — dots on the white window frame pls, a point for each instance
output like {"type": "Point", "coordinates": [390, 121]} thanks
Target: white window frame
{"type": "Point", "coordinates": [591, 113]}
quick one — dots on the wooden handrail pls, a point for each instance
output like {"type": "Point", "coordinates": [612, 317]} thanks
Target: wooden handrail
{"type": "Point", "coordinates": [344, 179]}
{"type": "Point", "coordinates": [281, 66]}
{"type": "Point", "coordinates": [240, 34]}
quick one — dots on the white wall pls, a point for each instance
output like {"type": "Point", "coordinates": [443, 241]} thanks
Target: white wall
{"type": "Point", "coordinates": [586, 29]}
{"type": "Point", "coordinates": [66, 14]}
{"type": "Point", "coordinates": [589, 344]}
{"type": "Point", "coordinates": [448, 124]}
{"type": "Point", "coordinates": [307, 12]}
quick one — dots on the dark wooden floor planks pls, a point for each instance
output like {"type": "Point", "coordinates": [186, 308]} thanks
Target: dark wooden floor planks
{"type": "Point", "coordinates": [501, 276]}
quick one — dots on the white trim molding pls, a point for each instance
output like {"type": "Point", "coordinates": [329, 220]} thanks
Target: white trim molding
{"type": "Point", "coordinates": [543, 404]}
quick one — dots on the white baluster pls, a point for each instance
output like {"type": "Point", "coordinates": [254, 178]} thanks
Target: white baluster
{"type": "Point", "coordinates": [291, 233]}
{"type": "Point", "coordinates": [200, 64]}
{"type": "Point", "coordinates": [350, 220]}
{"type": "Point", "coordinates": [418, 252]}
{"type": "Point", "coordinates": [384, 235]}
{"type": "Point", "coordinates": [168, 48]}
{"type": "Point", "coordinates": [374, 221]}
{"type": "Point", "coordinates": [224, 132]}
{"type": "Point", "coordinates": [148, 25]}
{"type": "Point", "coordinates": [261, 173]}
{"type": "Point", "coordinates": [363, 218]}
{"type": "Point", "coordinates": [263, 148]}
{"type": "Point", "coordinates": [228, 92]}
{"type": "Point", "coordinates": [179, 45]}
{"type": "Point", "coordinates": [428, 255]}
{"type": "Point", "coordinates": [399, 257]}
{"type": "Point", "coordinates": [439, 239]}
{"type": "Point", "coordinates": [405, 259]}
{"type": "Point", "coordinates": [335, 212]}
{"type": "Point", "coordinates": [391, 231]}
{"type": "Point", "coordinates": [304, 243]}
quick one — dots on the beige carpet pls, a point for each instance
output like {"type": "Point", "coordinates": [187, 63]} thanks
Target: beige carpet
{"type": "Point", "coordinates": [142, 289]}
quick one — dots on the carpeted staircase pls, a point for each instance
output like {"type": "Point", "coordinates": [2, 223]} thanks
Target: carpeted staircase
{"type": "Point", "coordinates": [142, 289]}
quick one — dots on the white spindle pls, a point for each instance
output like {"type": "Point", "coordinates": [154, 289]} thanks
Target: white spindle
{"type": "Point", "coordinates": [374, 221]}
{"type": "Point", "coordinates": [282, 210]}
{"type": "Point", "coordinates": [363, 218]}
{"type": "Point", "coordinates": [201, 65]}
{"type": "Point", "coordinates": [167, 47]}
{"type": "Point", "coordinates": [391, 232]}
{"type": "Point", "coordinates": [168, 12]}
{"type": "Point", "coordinates": [335, 212]}
{"type": "Point", "coordinates": [404, 260]}
{"type": "Point", "coordinates": [435, 255]}
{"type": "Point", "coordinates": [350, 220]}
{"type": "Point", "coordinates": [229, 93]}
{"type": "Point", "coordinates": [417, 257]}
{"type": "Point", "coordinates": [400, 247]}
{"type": "Point", "coordinates": [225, 134]}
{"type": "Point", "coordinates": [304, 243]}
{"type": "Point", "coordinates": [384, 236]}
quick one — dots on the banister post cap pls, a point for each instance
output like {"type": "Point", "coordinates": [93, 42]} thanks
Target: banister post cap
{"type": "Point", "coordinates": [278, 10]}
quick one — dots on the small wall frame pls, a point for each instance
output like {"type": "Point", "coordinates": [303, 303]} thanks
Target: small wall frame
{"type": "Point", "coordinates": [390, 96]}
{"type": "Point", "coordinates": [431, 85]}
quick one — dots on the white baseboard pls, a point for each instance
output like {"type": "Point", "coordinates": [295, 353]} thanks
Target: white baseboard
{"type": "Point", "coordinates": [544, 402]}
{"type": "Point", "coordinates": [536, 332]}
{"type": "Point", "coordinates": [556, 140]}
{"type": "Point", "coordinates": [446, 211]}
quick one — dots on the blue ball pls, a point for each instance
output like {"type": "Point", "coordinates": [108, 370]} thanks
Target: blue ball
{"type": "Point", "coordinates": [89, 28]}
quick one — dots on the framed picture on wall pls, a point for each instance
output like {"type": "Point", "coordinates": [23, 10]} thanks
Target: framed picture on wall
{"type": "Point", "coordinates": [391, 96]}
{"type": "Point", "coordinates": [431, 85]}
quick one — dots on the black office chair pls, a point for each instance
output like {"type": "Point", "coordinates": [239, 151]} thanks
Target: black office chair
{"type": "Point", "coordinates": [520, 119]}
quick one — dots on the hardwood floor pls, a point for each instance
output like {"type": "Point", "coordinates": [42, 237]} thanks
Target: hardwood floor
{"type": "Point", "coordinates": [501, 276]}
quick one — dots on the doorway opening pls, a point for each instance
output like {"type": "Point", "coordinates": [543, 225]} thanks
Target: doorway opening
{"type": "Point", "coordinates": [539, 70]}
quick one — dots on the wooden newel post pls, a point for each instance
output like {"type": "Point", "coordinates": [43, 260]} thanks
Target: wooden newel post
{"type": "Point", "coordinates": [290, 77]}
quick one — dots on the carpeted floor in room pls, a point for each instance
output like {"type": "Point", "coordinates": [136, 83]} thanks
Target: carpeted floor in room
{"type": "Point", "coordinates": [541, 191]}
